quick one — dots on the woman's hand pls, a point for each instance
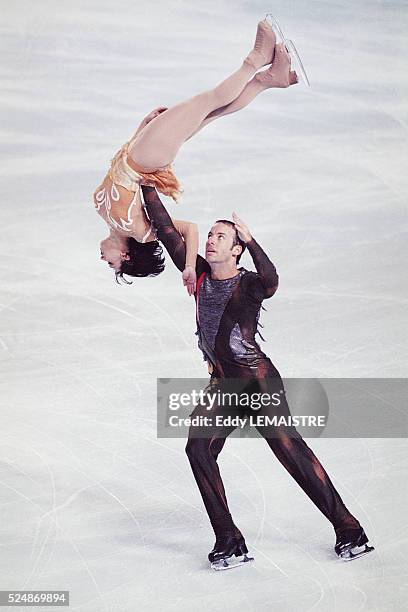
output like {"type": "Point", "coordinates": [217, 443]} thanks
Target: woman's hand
{"type": "Point", "coordinates": [190, 279]}
{"type": "Point", "coordinates": [243, 232]}
{"type": "Point", "coordinates": [157, 111]}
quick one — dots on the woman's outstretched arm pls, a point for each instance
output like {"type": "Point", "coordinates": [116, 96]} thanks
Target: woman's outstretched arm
{"type": "Point", "coordinates": [167, 232]}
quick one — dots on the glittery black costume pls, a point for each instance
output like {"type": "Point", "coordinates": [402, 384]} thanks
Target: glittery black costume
{"type": "Point", "coordinates": [235, 353]}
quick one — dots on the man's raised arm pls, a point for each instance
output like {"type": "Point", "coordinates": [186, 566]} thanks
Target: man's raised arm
{"type": "Point", "coordinates": [266, 270]}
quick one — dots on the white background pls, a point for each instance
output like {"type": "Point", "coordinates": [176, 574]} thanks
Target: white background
{"type": "Point", "coordinates": [91, 500]}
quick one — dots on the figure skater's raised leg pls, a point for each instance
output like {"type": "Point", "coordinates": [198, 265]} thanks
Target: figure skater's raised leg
{"type": "Point", "coordinates": [158, 143]}
{"type": "Point", "coordinates": [277, 75]}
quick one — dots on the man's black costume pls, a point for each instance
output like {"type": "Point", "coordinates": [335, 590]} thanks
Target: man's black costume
{"type": "Point", "coordinates": [234, 353]}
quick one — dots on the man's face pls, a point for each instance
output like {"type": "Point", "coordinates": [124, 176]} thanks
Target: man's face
{"type": "Point", "coordinates": [219, 246]}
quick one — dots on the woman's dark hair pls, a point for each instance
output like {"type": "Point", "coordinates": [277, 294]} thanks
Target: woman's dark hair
{"type": "Point", "coordinates": [146, 259]}
{"type": "Point", "coordinates": [237, 239]}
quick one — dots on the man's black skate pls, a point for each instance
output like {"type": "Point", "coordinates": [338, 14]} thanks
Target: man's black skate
{"type": "Point", "coordinates": [352, 544]}
{"type": "Point", "coordinates": [224, 549]}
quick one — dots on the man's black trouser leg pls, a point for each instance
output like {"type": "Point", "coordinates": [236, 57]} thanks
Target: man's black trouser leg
{"type": "Point", "coordinates": [202, 454]}
{"type": "Point", "coordinates": [289, 448]}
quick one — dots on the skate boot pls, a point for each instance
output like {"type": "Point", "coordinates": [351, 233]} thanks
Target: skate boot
{"type": "Point", "coordinates": [352, 544]}
{"type": "Point", "coordinates": [224, 549]}
{"type": "Point", "coordinates": [279, 73]}
{"type": "Point", "coordinates": [264, 46]}
{"type": "Point", "coordinates": [269, 18]}
{"type": "Point", "coordinates": [297, 63]}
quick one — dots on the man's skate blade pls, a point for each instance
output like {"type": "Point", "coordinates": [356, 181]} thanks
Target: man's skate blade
{"type": "Point", "coordinates": [296, 62]}
{"type": "Point", "coordinates": [276, 27]}
{"type": "Point", "coordinates": [356, 552]}
{"type": "Point", "coordinates": [230, 563]}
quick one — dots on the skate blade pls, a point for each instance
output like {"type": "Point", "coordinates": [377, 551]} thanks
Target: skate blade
{"type": "Point", "coordinates": [280, 38]}
{"type": "Point", "coordinates": [296, 62]}
{"type": "Point", "coordinates": [356, 552]}
{"type": "Point", "coordinates": [230, 563]}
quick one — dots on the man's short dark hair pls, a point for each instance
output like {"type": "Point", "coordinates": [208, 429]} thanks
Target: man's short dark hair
{"type": "Point", "coordinates": [237, 239]}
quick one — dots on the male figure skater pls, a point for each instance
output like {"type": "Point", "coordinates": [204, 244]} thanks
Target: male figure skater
{"type": "Point", "coordinates": [228, 302]}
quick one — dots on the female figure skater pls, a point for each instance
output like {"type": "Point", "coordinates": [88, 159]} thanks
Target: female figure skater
{"type": "Point", "coordinates": [132, 247]}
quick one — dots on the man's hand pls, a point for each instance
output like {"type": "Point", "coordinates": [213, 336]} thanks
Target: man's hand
{"type": "Point", "coordinates": [243, 232]}
{"type": "Point", "coordinates": [154, 113]}
{"type": "Point", "coordinates": [190, 279]}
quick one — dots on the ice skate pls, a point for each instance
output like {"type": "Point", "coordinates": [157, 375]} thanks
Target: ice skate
{"type": "Point", "coordinates": [352, 544]}
{"type": "Point", "coordinates": [221, 557]}
{"type": "Point", "coordinates": [279, 74]}
{"type": "Point", "coordinates": [269, 18]}
{"type": "Point", "coordinates": [296, 61]}
{"type": "Point", "coordinates": [264, 47]}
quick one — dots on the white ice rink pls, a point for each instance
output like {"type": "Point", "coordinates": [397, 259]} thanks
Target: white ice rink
{"type": "Point", "coordinates": [91, 501]}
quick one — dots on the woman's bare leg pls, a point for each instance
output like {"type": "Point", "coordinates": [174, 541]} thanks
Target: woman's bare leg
{"type": "Point", "coordinates": [252, 89]}
{"type": "Point", "coordinates": [261, 81]}
{"type": "Point", "coordinates": [158, 143]}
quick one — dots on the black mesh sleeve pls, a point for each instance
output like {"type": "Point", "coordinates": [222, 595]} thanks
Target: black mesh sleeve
{"type": "Point", "coordinates": [267, 277]}
{"type": "Point", "coordinates": [166, 232]}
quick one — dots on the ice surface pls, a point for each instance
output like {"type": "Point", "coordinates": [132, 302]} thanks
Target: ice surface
{"type": "Point", "coordinates": [91, 500]}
